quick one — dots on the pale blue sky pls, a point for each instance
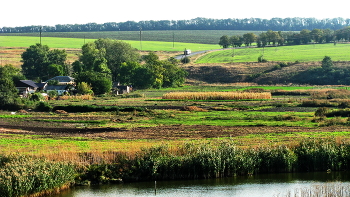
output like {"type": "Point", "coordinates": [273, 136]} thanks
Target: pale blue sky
{"type": "Point", "coordinates": [43, 12]}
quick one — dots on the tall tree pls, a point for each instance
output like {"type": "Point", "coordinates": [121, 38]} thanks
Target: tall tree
{"type": "Point", "coordinates": [118, 52]}
{"type": "Point", "coordinates": [92, 59]}
{"type": "Point", "coordinates": [273, 37]}
{"type": "Point", "coordinates": [100, 82]}
{"type": "Point", "coordinates": [8, 92]}
{"type": "Point", "coordinates": [317, 35]}
{"type": "Point", "coordinates": [249, 38]}
{"type": "Point", "coordinates": [305, 36]}
{"type": "Point", "coordinates": [236, 41]}
{"type": "Point", "coordinates": [37, 58]}
{"type": "Point", "coordinates": [327, 63]}
{"type": "Point", "coordinates": [224, 41]}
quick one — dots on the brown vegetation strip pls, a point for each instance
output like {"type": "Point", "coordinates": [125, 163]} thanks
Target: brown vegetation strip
{"type": "Point", "coordinates": [161, 132]}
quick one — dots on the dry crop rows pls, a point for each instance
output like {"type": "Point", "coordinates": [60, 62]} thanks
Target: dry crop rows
{"type": "Point", "coordinates": [216, 95]}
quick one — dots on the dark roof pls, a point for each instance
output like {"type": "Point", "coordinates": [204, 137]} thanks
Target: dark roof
{"type": "Point", "coordinates": [56, 87]}
{"type": "Point", "coordinates": [26, 83]}
{"type": "Point", "coordinates": [62, 79]}
{"type": "Point", "coordinates": [41, 85]}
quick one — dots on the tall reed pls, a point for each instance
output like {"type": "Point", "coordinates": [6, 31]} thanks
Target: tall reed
{"type": "Point", "coordinates": [23, 175]}
{"type": "Point", "coordinates": [225, 159]}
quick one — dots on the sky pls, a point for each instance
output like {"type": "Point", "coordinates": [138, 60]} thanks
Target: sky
{"type": "Point", "coordinates": [15, 13]}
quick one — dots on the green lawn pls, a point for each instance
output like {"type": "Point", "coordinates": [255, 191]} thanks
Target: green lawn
{"type": "Point", "coordinates": [56, 42]}
{"type": "Point", "coordinates": [301, 53]}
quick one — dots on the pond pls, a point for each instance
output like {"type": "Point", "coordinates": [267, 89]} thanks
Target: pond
{"type": "Point", "coordinates": [265, 185]}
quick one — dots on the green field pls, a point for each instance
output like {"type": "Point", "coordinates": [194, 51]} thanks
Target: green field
{"type": "Point", "coordinates": [301, 53]}
{"type": "Point", "coordinates": [57, 42]}
{"type": "Point", "coordinates": [186, 36]}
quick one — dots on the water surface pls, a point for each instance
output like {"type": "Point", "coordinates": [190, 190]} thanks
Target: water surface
{"type": "Point", "coordinates": [265, 185]}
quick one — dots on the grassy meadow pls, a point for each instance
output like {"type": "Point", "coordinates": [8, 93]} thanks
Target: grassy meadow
{"type": "Point", "coordinates": [77, 43]}
{"type": "Point", "coordinates": [301, 53]}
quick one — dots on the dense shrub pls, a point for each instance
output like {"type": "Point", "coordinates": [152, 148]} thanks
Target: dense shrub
{"type": "Point", "coordinates": [322, 111]}
{"type": "Point", "coordinates": [185, 60]}
{"type": "Point", "coordinates": [261, 59]}
{"type": "Point", "coordinates": [43, 106]}
{"type": "Point", "coordinates": [339, 113]}
{"type": "Point", "coordinates": [37, 97]}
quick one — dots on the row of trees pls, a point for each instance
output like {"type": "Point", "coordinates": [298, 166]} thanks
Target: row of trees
{"type": "Point", "coordinates": [101, 63]}
{"type": "Point", "coordinates": [270, 37]}
{"type": "Point", "coordinates": [276, 24]}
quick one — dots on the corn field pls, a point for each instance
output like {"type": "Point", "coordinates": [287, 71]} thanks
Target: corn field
{"type": "Point", "coordinates": [216, 95]}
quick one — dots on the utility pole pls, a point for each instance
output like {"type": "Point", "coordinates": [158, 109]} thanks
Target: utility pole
{"type": "Point", "coordinates": [173, 40]}
{"type": "Point", "coordinates": [140, 38]}
{"type": "Point", "coordinates": [40, 33]}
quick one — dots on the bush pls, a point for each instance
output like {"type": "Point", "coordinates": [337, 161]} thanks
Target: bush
{"type": "Point", "coordinates": [37, 97]}
{"type": "Point", "coordinates": [339, 113]}
{"type": "Point", "coordinates": [43, 106]}
{"type": "Point", "coordinates": [322, 111]}
{"type": "Point", "coordinates": [185, 60]}
{"type": "Point", "coordinates": [261, 59]}
{"type": "Point", "coordinates": [283, 64]}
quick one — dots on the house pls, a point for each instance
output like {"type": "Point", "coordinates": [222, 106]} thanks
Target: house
{"type": "Point", "coordinates": [26, 87]}
{"type": "Point", "coordinates": [62, 80]}
{"type": "Point", "coordinates": [119, 89]}
{"type": "Point", "coordinates": [61, 89]}
{"type": "Point", "coordinates": [123, 89]}
{"type": "Point", "coordinates": [41, 86]}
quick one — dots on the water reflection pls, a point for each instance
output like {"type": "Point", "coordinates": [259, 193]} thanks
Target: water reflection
{"type": "Point", "coordinates": [253, 186]}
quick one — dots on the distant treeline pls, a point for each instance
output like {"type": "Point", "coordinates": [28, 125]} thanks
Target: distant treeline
{"type": "Point", "coordinates": [286, 38]}
{"type": "Point", "coordinates": [258, 24]}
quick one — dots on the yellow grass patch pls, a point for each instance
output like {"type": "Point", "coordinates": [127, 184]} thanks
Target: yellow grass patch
{"type": "Point", "coordinates": [81, 97]}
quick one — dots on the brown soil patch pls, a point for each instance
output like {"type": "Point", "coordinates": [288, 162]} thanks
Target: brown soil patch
{"type": "Point", "coordinates": [161, 132]}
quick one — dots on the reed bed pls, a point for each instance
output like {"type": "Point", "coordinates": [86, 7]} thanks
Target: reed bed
{"type": "Point", "coordinates": [217, 95]}
{"type": "Point", "coordinates": [24, 175]}
{"type": "Point", "coordinates": [224, 159]}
